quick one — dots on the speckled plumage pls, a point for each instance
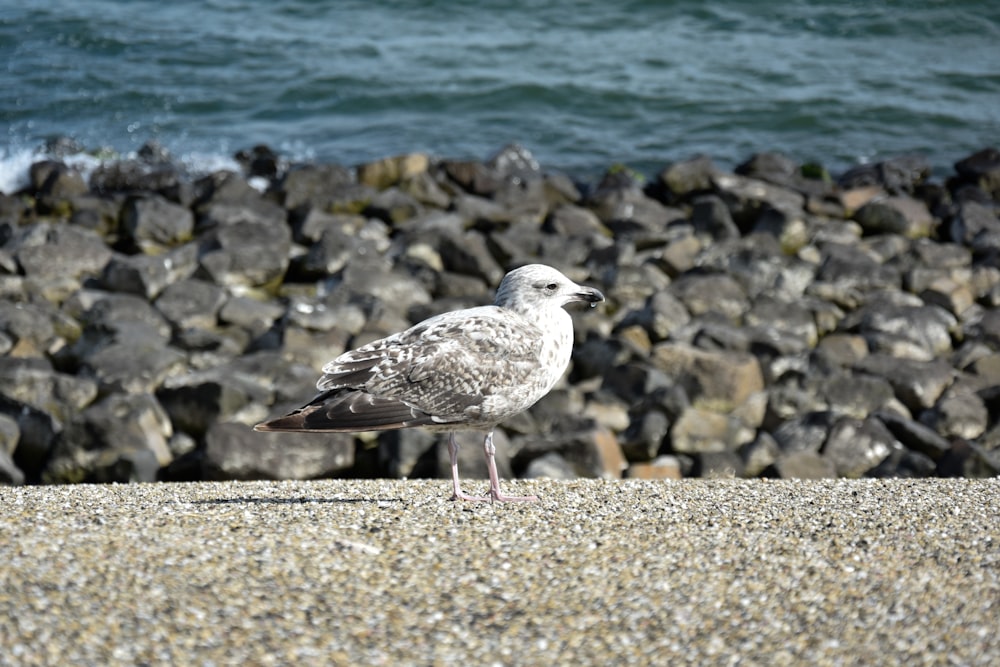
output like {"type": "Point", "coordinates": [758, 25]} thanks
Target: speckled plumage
{"type": "Point", "coordinates": [466, 369]}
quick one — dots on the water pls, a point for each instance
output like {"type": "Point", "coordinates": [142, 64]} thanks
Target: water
{"type": "Point", "coordinates": [582, 84]}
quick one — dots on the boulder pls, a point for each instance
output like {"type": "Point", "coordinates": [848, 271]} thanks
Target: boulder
{"type": "Point", "coordinates": [232, 450]}
{"type": "Point", "coordinates": [152, 223]}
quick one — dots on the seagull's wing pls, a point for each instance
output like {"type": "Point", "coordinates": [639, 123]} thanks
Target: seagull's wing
{"type": "Point", "coordinates": [436, 373]}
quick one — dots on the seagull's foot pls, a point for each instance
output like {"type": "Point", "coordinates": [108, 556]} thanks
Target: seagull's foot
{"type": "Point", "coordinates": [458, 494]}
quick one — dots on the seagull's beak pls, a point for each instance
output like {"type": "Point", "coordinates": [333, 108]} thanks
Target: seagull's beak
{"type": "Point", "coordinates": [589, 295]}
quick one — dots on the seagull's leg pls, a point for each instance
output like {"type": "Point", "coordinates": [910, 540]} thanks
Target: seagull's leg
{"type": "Point", "coordinates": [453, 453]}
{"type": "Point", "coordinates": [490, 449]}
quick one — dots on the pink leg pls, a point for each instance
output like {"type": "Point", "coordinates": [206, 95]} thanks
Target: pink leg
{"type": "Point", "coordinates": [458, 494]}
{"type": "Point", "coordinates": [495, 495]}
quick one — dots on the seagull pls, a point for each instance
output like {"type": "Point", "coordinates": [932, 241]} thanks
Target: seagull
{"type": "Point", "coordinates": [462, 370]}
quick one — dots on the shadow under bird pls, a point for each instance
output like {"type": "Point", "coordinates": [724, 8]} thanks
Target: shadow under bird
{"type": "Point", "coordinates": [462, 370]}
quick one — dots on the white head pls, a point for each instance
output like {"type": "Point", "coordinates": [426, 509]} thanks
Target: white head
{"type": "Point", "coordinates": [536, 286]}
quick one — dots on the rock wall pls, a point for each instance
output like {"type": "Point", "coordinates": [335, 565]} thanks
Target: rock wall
{"type": "Point", "coordinates": [774, 321]}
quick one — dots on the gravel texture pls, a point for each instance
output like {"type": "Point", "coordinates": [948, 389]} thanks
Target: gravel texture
{"type": "Point", "coordinates": [388, 572]}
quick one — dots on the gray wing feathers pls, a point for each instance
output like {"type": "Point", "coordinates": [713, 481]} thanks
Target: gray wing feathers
{"type": "Point", "coordinates": [437, 372]}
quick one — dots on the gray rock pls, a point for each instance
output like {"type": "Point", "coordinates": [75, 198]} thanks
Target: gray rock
{"type": "Point", "coordinates": [804, 464]}
{"type": "Point", "coordinates": [896, 215]}
{"type": "Point", "coordinates": [121, 438]}
{"type": "Point", "coordinates": [922, 333]}
{"type": "Point", "coordinates": [50, 252]}
{"type": "Point", "coordinates": [31, 329]}
{"type": "Point", "coordinates": [704, 293]}
{"type": "Point", "coordinates": [914, 435]}
{"type": "Point", "coordinates": [410, 453]}
{"type": "Point", "coordinates": [10, 474]}
{"type": "Point", "coordinates": [549, 466]}
{"type": "Point", "coordinates": [310, 185]}
{"type": "Point", "coordinates": [698, 431]}
{"type": "Point", "coordinates": [245, 253]}
{"type": "Point", "coordinates": [855, 395]}
{"type": "Point", "coordinates": [852, 266]}
{"type": "Point", "coordinates": [148, 275]}
{"type": "Point", "coordinates": [856, 447]}
{"type": "Point", "coordinates": [975, 225]}
{"type": "Point", "coordinates": [958, 415]}
{"type": "Point", "coordinates": [9, 435]}
{"type": "Point", "coordinates": [806, 432]}
{"type": "Point", "coordinates": [710, 216]}
{"type": "Point", "coordinates": [747, 198]}
{"type": "Point", "coordinates": [133, 363]}
{"type": "Point", "coordinates": [197, 400]}
{"type": "Point", "coordinates": [253, 315]}
{"type": "Point", "coordinates": [234, 451]}
{"type": "Point", "coordinates": [662, 314]}
{"type": "Point", "coordinates": [35, 383]}
{"type": "Point", "coordinates": [152, 223]}
{"type": "Point", "coordinates": [683, 179]}
{"type": "Point", "coordinates": [191, 303]}
{"type": "Point", "coordinates": [917, 384]}
{"type": "Point", "coordinates": [759, 454]}
{"type": "Point", "coordinates": [713, 380]}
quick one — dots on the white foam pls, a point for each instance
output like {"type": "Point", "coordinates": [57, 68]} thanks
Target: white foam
{"type": "Point", "coordinates": [16, 163]}
{"type": "Point", "coordinates": [14, 166]}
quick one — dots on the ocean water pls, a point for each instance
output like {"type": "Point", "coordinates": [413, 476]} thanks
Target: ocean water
{"type": "Point", "coordinates": [582, 84]}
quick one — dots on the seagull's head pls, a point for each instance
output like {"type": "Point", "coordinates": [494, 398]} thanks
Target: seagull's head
{"type": "Point", "coordinates": [536, 286]}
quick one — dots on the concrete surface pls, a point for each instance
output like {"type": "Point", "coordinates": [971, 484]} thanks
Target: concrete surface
{"type": "Point", "coordinates": [391, 573]}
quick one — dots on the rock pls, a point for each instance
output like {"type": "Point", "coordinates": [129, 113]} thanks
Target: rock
{"type": "Point", "coordinates": [914, 435]}
{"type": "Point", "coordinates": [963, 416]}
{"type": "Point", "coordinates": [33, 330]}
{"type": "Point", "coordinates": [896, 215]}
{"type": "Point", "coordinates": [852, 266]}
{"type": "Point", "coordinates": [983, 169]}
{"type": "Point", "coordinates": [410, 453]}
{"type": "Point", "coordinates": [760, 454]}
{"type": "Point", "coordinates": [856, 447]}
{"type": "Point", "coordinates": [312, 185]}
{"type": "Point", "coordinates": [917, 384]}
{"type": "Point", "coordinates": [855, 395]}
{"type": "Point", "coordinates": [148, 275]}
{"type": "Point", "coordinates": [662, 467]}
{"type": "Point", "coordinates": [715, 381]}
{"type": "Point", "coordinates": [710, 217]}
{"type": "Point", "coordinates": [50, 252]}
{"type": "Point", "coordinates": [191, 304]}
{"type": "Point", "coordinates": [152, 223]}
{"type": "Point", "coordinates": [10, 474]}
{"type": "Point", "coordinates": [747, 198]}
{"type": "Point", "coordinates": [806, 432]}
{"type": "Point", "coordinates": [197, 400]}
{"type": "Point", "coordinates": [704, 293]}
{"type": "Point", "coordinates": [662, 314]}
{"type": "Point", "coordinates": [549, 466]}
{"type": "Point", "coordinates": [698, 431]}
{"type": "Point", "coordinates": [121, 438]}
{"type": "Point", "coordinates": [234, 451]}
{"type": "Point", "coordinates": [975, 225]}
{"type": "Point", "coordinates": [968, 459]}
{"type": "Point", "coordinates": [681, 180]}
{"type": "Point", "coordinates": [253, 254]}
{"type": "Point", "coordinates": [914, 332]}
{"type": "Point", "coordinates": [35, 383]}
{"type": "Point", "coordinates": [591, 450]}
{"type": "Point", "coordinates": [804, 464]}
{"type": "Point", "coordinates": [387, 172]}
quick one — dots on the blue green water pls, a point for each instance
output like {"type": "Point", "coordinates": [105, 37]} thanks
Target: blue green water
{"type": "Point", "coordinates": [581, 84]}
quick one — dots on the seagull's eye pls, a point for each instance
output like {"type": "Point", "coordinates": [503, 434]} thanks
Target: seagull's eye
{"type": "Point", "coordinates": [551, 287]}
